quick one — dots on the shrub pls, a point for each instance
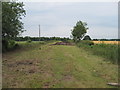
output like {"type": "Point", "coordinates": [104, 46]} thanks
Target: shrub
{"type": "Point", "coordinates": [8, 45]}
{"type": "Point", "coordinates": [11, 44]}
{"type": "Point", "coordinates": [16, 46]}
{"type": "Point", "coordinates": [29, 41]}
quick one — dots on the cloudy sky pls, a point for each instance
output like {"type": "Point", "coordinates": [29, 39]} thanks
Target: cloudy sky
{"type": "Point", "coordinates": [58, 18]}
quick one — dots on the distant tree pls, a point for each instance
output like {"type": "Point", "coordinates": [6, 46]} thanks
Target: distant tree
{"type": "Point", "coordinates": [79, 30]}
{"type": "Point", "coordinates": [95, 39]}
{"type": "Point", "coordinates": [27, 38]}
{"type": "Point", "coordinates": [87, 37]}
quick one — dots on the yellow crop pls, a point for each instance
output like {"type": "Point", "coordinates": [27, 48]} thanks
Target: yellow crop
{"type": "Point", "coordinates": [106, 42]}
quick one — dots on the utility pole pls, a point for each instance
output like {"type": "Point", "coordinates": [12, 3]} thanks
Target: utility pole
{"type": "Point", "coordinates": [39, 32]}
{"type": "Point", "coordinates": [39, 37]}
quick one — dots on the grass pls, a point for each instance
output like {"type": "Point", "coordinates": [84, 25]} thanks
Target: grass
{"type": "Point", "coordinates": [56, 66]}
{"type": "Point", "coordinates": [107, 51]}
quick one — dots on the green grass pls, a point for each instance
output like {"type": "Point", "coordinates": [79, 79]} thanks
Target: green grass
{"type": "Point", "coordinates": [56, 66]}
{"type": "Point", "coordinates": [107, 51]}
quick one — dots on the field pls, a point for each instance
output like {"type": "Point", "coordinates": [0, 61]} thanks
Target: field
{"type": "Point", "coordinates": [42, 65]}
{"type": "Point", "coordinates": [107, 42]}
{"type": "Point", "coordinates": [105, 50]}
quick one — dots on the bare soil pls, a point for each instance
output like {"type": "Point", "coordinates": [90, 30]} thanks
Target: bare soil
{"type": "Point", "coordinates": [63, 43]}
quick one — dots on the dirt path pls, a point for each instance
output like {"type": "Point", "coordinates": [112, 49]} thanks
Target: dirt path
{"type": "Point", "coordinates": [56, 66]}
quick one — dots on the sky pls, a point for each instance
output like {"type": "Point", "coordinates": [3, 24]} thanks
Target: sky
{"type": "Point", "coordinates": [58, 18]}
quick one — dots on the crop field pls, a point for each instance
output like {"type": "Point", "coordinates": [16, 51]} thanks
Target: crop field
{"type": "Point", "coordinates": [106, 42]}
{"type": "Point", "coordinates": [46, 65]}
{"type": "Point", "coordinates": [108, 51]}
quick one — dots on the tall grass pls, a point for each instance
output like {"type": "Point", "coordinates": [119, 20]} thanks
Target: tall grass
{"type": "Point", "coordinates": [108, 51]}
{"type": "Point", "coordinates": [27, 45]}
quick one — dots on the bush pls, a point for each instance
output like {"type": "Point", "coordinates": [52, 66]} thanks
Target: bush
{"type": "Point", "coordinates": [29, 41]}
{"type": "Point", "coordinates": [11, 44]}
{"type": "Point", "coordinates": [8, 45]}
{"type": "Point", "coordinates": [16, 46]}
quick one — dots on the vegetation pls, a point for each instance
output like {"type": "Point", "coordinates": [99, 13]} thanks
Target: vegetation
{"type": "Point", "coordinates": [108, 51]}
{"type": "Point", "coordinates": [12, 26]}
{"type": "Point", "coordinates": [87, 37]}
{"type": "Point", "coordinates": [41, 38]}
{"type": "Point", "coordinates": [11, 15]}
{"type": "Point", "coordinates": [79, 31]}
{"type": "Point", "coordinates": [56, 66]}
{"type": "Point", "coordinates": [106, 42]}
{"type": "Point", "coordinates": [8, 45]}
{"type": "Point", "coordinates": [106, 39]}
{"type": "Point", "coordinates": [54, 62]}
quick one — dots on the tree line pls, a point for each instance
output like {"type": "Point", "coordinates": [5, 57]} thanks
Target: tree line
{"type": "Point", "coordinates": [106, 39]}
{"type": "Point", "coordinates": [87, 37]}
{"type": "Point", "coordinates": [41, 38]}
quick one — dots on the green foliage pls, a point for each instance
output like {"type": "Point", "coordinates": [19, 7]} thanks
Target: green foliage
{"type": "Point", "coordinates": [79, 31]}
{"type": "Point", "coordinates": [9, 45]}
{"type": "Point", "coordinates": [27, 38]}
{"type": "Point", "coordinates": [87, 37]}
{"type": "Point", "coordinates": [12, 26]}
{"type": "Point", "coordinates": [41, 42]}
{"type": "Point", "coordinates": [29, 41]}
{"type": "Point", "coordinates": [108, 51]}
{"type": "Point", "coordinates": [12, 13]}
{"type": "Point", "coordinates": [106, 39]}
{"type": "Point", "coordinates": [41, 38]}
{"type": "Point", "coordinates": [23, 45]}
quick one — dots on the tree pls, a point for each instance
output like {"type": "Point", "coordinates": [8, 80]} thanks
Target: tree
{"type": "Point", "coordinates": [87, 37]}
{"type": "Point", "coordinates": [79, 30]}
{"type": "Point", "coordinates": [12, 13]}
{"type": "Point", "coordinates": [12, 26]}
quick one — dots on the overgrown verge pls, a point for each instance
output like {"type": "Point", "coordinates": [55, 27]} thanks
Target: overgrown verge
{"type": "Point", "coordinates": [108, 51]}
{"type": "Point", "coordinates": [8, 45]}
{"type": "Point", "coordinates": [27, 45]}
{"type": "Point", "coordinates": [11, 45]}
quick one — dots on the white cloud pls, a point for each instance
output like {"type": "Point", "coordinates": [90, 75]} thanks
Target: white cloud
{"type": "Point", "coordinates": [69, 0]}
{"type": "Point", "coordinates": [57, 19]}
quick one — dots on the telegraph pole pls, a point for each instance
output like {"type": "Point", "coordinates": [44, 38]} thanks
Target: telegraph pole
{"type": "Point", "coordinates": [39, 37]}
{"type": "Point", "coordinates": [39, 32]}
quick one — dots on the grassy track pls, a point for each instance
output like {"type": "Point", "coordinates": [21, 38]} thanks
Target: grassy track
{"type": "Point", "coordinates": [56, 66]}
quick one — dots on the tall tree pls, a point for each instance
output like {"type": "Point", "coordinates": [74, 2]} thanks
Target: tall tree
{"type": "Point", "coordinates": [79, 30]}
{"type": "Point", "coordinates": [12, 13]}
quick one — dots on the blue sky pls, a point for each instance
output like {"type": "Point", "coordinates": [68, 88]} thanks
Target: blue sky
{"type": "Point", "coordinates": [58, 18]}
